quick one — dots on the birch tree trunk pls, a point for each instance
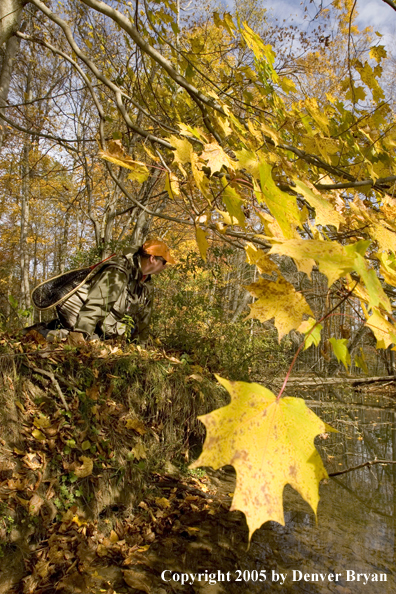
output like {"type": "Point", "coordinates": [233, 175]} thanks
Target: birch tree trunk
{"type": "Point", "coordinates": [24, 196]}
{"type": "Point", "coordinates": [63, 242]}
{"type": "Point", "coordinates": [7, 64]}
{"type": "Point", "coordinates": [10, 12]}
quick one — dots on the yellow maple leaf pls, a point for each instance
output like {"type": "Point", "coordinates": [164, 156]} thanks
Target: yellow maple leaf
{"type": "Point", "coordinates": [383, 235]}
{"type": "Point", "coordinates": [340, 350]}
{"type": "Point", "coordinates": [263, 262]}
{"type": "Point", "coordinates": [162, 502]}
{"type": "Point", "coordinates": [282, 206]}
{"type": "Point", "coordinates": [324, 208]}
{"type": "Point", "coordinates": [377, 296]}
{"type": "Point", "coordinates": [234, 203]}
{"type": "Point", "coordinates": [384, 331]}
{"type": "Point", "coordinates": [227, 219]}
{"type": "Point", "coordinates": [139, 172]}
{"type": "Point", "coordinates": [280, 300]}
{"type": "Point", "coordinates": [312, 329]}
{"type": "Point", "coordinates": [199, 177]}
{"type": "Point", "coordinates": [42, 422]}
{"type": "Point", "coordinates": [202, 242]}
{"type": "Point", "coordinates": [378, 52]}
{"type": "Point", "coordinates": [248, 160]}
{"type": "Point", "coordinates": [271, 227]}
{"type": "Point", "coordinates": [216, 157]}
{"type": "Point", "coordinates": [183, 150]}
{"type": "Point", "coordinates": [270, 443]}
{"type": "Point", "coordinates": [136, 425]}
{"type": "Point", "coordinates": [115, 154]}
{"type": "Point", "coordinates": [139, 451]}
{"type": "Point", "coordinates": [334, 260]}
{"type": "Point", "coordinates": [388, 268]}
{"type": "Point", "coordinates": [37, 434]}
{"type": "Point", "coordinates": [172, 185]}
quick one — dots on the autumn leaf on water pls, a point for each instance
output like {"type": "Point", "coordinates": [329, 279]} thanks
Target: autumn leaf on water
{"type": "Point", "coordinates": [270, 443]}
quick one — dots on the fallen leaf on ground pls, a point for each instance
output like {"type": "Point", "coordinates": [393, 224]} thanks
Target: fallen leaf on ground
{"type": "Point", "coordinates": [85, 469]}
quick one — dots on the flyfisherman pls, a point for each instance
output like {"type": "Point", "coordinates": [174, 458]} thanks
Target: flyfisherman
{"type": "Point", "coordinates": [116, 299]}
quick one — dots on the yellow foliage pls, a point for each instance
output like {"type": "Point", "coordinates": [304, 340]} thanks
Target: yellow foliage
{"type": "Point", "coordinates": [270, 443]}
{"type": "Point", "coordinates": [278, 300]}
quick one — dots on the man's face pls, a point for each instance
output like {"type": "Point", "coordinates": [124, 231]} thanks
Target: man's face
{"type": "Point", "coordinates": [153, 265]}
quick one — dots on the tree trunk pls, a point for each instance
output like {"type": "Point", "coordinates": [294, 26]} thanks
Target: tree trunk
{"type": "Point", "coordinates": [23, 243]}
{"type": "Point", "coordinates": [24, 255]}
{"type": "Point", "coordinates": [10, 12]}
{"type": "Point", "coordinates": [11, 50]}
{"type": "Point", "coordinates": [63, 242]}
{"type": "Point", "coordinates": [143, 221]}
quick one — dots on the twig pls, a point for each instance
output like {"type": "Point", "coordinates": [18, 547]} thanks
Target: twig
{"type": "Point", "coordinates": [53, 379]}
{"type": "Point", "coordinates": [370, 463]}
{"type": "Point", "coordinates": [327, 315]}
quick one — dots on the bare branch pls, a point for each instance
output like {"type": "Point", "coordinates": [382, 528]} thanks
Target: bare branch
{"type": "Point", "coordinates": [358, 184]}
{"type": "Point", "coordinates": [129, 28]}
{"type": "Point", "coordinates": [118, 92]}
{"type": "Point", "coordinates": [42, 134]}
{"type": "Point", "coordinates": [371, 463]}
{"type": "Point", "coordinates": [53, 380]}
{"type": "Point", "coordinates": [79, 70]}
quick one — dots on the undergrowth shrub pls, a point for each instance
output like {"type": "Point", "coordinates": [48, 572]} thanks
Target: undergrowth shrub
{"type": "Point", "coordinates": [191, 316]}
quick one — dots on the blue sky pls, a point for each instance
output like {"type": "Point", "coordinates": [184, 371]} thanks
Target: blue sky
{"type": "Point", "coordinates": [375, 13]}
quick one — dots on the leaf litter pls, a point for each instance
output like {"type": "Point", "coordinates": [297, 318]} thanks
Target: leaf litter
{"type": "Point", "coordinates": [65, 475]}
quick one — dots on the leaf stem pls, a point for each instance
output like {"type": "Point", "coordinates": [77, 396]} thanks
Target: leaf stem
{"type": "Point", "coordinates": [327, 315]}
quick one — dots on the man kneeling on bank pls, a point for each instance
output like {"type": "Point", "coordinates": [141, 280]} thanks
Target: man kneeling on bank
{"type": "Point", "coordinates": [117, 298]}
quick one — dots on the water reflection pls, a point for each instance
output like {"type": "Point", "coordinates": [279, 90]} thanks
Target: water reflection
{"type": "Point", "coordinates": [353, 542]}
{"type": "Point", "coordinates": [356, 526]}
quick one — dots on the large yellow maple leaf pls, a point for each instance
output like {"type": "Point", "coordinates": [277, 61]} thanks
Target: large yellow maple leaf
{"type": "Point", "coordinates": [270, 443]}
{"type": "Point", "coordinates": [278, 300]}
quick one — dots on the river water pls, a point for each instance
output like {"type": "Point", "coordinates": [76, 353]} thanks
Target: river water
{"type": "Point", "coordinates": [351, 549]}
{"type": "Point", "coordinates": [355, 533]}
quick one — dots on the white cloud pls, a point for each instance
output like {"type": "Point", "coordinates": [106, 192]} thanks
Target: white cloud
{"type": "Point", "coordinates": [380, 16]}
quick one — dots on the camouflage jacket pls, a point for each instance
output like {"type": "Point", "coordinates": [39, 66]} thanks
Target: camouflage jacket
{"type": "Point", "coordinates": [118, 290]}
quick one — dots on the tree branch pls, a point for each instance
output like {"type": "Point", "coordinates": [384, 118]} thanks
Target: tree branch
{"type": "Point", "coordinates": [371, 463]}
{"type": "Point", "coordinates": [358, 184]}
{"type": "Point", "coordinates": [118, 92]}
{"type": "Point", "coordinates": [390, 3]}
{"type": "Point", "coordinates": [129, 28]}
{"type": "Point", "coordinates": [53, 380]}
{"type": "Point", "coordinates": [42, 134]}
